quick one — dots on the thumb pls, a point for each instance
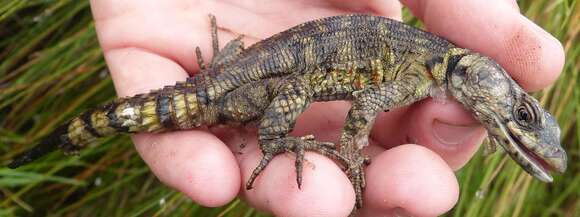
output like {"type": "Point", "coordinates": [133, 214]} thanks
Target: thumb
{"type": "Point", "coordinates": [446, 128]}
{"type": "Point", "coordinates": [496, 28]}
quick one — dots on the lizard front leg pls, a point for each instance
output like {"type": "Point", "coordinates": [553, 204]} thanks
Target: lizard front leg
{"type": "Point", "coordinates": [279, 118]}
{"type": "Point", "coordinates": [361, 117]}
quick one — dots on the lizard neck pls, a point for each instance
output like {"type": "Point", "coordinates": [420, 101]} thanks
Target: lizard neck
{"type": "Point", "coordinates": [441, 66]}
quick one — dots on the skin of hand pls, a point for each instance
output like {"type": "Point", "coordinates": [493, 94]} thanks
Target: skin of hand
{"type": "Point", "coordinates": [149, 44]}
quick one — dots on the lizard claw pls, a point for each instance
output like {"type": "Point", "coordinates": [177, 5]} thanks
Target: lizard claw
{"type": "Point", "coordinates": [298, 146]}
{"type": "Point", "coordinates": [299, 164]}
{"type": "Point", "coordinates": [261, 166]}
{"type": "Point", "coordinates": [356, 174]}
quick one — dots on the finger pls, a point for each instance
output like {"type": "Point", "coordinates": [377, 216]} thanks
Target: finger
{"type": "Point", "coordinates": [532, 56]}
{"type": "Point", "coordinates": [266, 15]}
{"type": "Point", "coordinates": [443, 126]}
{"type": "Point", "coordinates": [389, 8]}
{"type": "Point", "coordinates": [409, 179]}
{"type": "Point", "coordinates": [166, 28]}
{"type": "Point", "coordinates": [325, 190]}
{"type": "Point", "coordinates": [194, 162]}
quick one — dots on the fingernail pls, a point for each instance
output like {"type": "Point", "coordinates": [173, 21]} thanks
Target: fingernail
{"type": "Point", "coordinates": [400, 212]}
{"type": "Point", "coordinates": [450, 134]}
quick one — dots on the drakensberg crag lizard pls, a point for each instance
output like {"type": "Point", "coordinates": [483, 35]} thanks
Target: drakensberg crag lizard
{"type": "Point", "coordinates": [375, 62]}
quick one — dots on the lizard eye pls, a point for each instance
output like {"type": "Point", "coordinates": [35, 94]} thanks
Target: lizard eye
{"type": "Point", "coordinates": [525, 114]}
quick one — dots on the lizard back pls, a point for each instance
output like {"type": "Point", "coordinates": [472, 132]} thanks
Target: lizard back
{"type": "Point", "coordinates": [328, 43]}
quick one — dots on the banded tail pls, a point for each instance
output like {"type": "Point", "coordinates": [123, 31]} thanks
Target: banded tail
{"type": "Point", "coordinates": [183, 106]}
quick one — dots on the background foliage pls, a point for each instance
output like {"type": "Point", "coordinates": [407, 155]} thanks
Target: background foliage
{"type": "Point", "coordinates": [51, 68]}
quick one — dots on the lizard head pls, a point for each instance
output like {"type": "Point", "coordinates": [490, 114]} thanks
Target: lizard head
{"type": "Point", "coordinates": [514, 120]}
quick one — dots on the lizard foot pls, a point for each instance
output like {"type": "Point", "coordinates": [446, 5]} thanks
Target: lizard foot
{"type": "Point", "coordinates": [296, 145]}
{"type": "Point", "coordinates": [356, 174]}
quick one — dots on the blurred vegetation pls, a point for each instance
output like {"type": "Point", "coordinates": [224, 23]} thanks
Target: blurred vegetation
{"type": "Point", "coordinates": [51, 68]}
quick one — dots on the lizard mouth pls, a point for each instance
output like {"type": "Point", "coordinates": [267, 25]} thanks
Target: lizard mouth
{"type": "Point", "coordinates": [535, 160]}
{"type": "Point", "coordinates": [526, 158]}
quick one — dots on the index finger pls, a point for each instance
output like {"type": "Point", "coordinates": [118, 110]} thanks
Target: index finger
{"type": "Point", "coordinates": [495, 28]}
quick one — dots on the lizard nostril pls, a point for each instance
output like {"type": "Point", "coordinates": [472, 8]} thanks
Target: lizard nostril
{"type": "Point", "coordinates": [556, 152]}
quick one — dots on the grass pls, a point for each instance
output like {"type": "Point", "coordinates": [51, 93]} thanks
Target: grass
{"type": "Point", "coordinates": [49, 51]}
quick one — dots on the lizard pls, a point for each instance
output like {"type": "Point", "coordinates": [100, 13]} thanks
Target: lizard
{"type": "Point", "coordinates": [374, 62]}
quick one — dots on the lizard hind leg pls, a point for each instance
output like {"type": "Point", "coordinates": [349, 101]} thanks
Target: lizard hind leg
{"type": "Point", "coordinates": [231, 50]}
{"type": "Point", "coordinates": [214, 43]}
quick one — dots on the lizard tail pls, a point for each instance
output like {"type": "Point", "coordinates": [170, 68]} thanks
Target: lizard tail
{"type": "Point", "coordinates": [47, 145]}
{"type": "Point", "coordinates": [183, 106]}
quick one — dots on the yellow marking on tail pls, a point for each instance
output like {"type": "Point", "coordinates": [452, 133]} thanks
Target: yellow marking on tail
{"type": "Point", "coordinates": [193, 105]}
{"type": "Point", "coordinates": [180, 110]}
{"type": "Point", "coordinates": [100, 123]}
{"type": "Point", "coordinates": [129, 116]}
{"type": "Point", "coordinates": [78, 134]}
{"type": "Point", "coordinates": [150, 121]}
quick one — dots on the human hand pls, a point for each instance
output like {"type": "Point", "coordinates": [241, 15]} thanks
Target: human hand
{"type": "Point", "coordinates": [149, 44]}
